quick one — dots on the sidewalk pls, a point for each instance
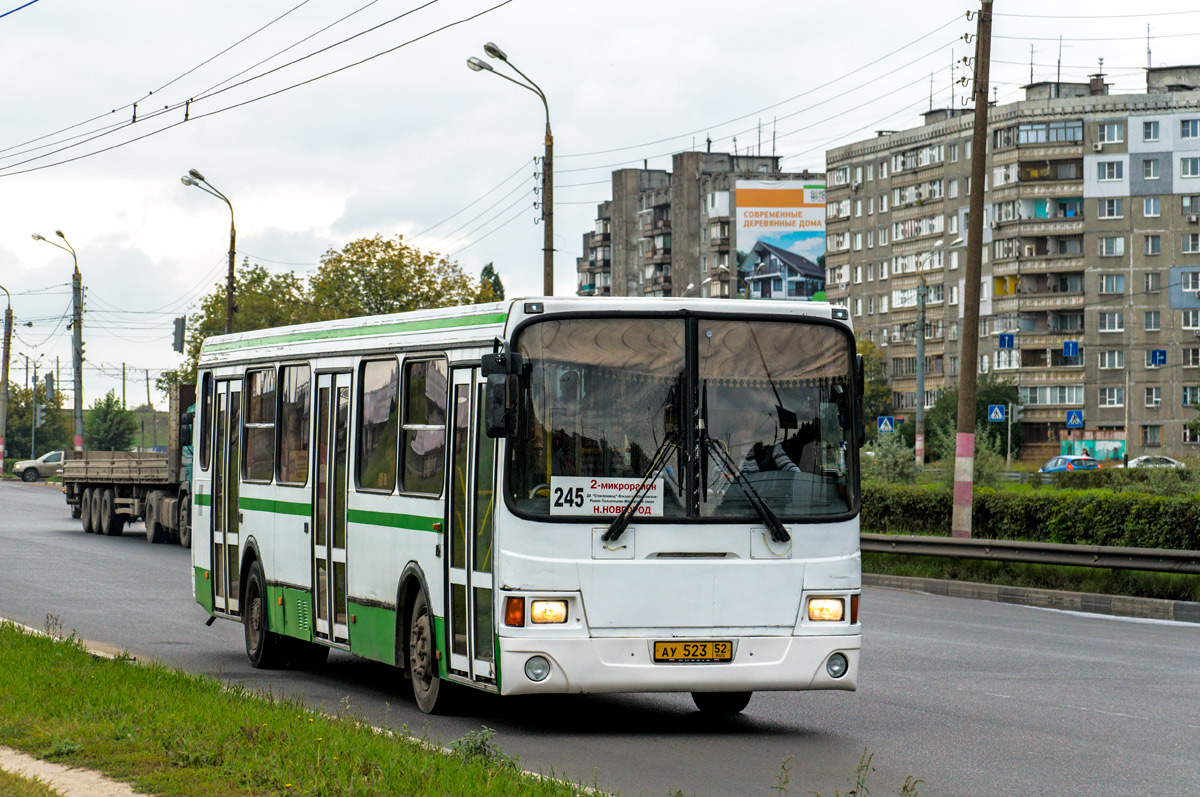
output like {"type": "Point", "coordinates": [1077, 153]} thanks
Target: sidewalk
{"type": "Point", "coordinates": [67, 781]}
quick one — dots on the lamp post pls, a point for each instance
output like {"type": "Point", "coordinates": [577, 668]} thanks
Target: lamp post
{"type": "Point", "coordinates": [919, 437]}
{"type": "Point", "coordinates": [479, 65]}
{"type": "Point", "coordinates": [195, 178]}
{"type": "Point", "coordinates": [76, 331]}
{"type": "Point", "coordinates": [4, 374]}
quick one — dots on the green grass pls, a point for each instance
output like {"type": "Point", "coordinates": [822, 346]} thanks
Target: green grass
{"type": "Point", "coordinates": [1168, 586]}
{"type": "Point", "coordinates": [172, 733]}
{"type": "Point", "coordinates": [16, 786]}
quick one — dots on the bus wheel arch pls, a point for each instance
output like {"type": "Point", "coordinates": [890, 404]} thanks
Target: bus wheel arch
{"type": "Point", "coordinates": [412, 583]}
{"type": "Point", "coordinates": [250, 555]}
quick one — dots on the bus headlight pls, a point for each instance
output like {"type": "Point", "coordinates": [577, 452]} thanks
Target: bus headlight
{"type": "Point", "coordinates": [828, 609]}
{"type": "Point", "coordinates": [548, 612]}
{"type": "Point", "coordinates": [537, 668]}
{"type": "Point", "coordinates": [836, 665]}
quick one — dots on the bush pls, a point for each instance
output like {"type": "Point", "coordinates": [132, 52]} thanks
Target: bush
{"type": "Point", "coordinates": [1127, 519]}
{"type": "Point", "coordinates": [893, 461]}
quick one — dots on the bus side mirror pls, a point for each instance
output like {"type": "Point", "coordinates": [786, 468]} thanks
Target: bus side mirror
{"type": "Point", "coordinates": [860, 430]}
{"type": "Point", "coordinates": [500, 399]}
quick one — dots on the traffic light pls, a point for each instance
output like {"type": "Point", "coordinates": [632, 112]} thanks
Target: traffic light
{"type": "Point", "coordinates": [180, 322]}
{"type": "Point", "coordinates": [39, 415]}
{"type": "Point", "coordinates": [49, 387]}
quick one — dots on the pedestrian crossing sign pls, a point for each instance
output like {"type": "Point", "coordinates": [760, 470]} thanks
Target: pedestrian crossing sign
{"type": "Point", "coordinates": [887, 424]}
{"type": "Point", "coordinates": [996, 412]}
{"type": "Point", "coordinates": [1074, 419]}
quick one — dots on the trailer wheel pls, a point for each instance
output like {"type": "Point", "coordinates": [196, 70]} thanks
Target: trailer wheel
{"type": "Point", "coordinates": [156, 532]}
{"type": "Point", "coordinates": [111, 523]}
{"type": "Point", "coordinates": [85, 510]}
{"type": "Point", "coordinates": [96, 495]}
{"type": "Point", "coordinates": [185, 521]}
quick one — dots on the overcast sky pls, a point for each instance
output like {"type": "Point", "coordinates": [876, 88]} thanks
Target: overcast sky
{"type": "Point", "coordinates": [401, 143]}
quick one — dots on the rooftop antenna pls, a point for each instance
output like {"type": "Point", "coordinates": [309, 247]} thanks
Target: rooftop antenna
{"type": "Point", "coordinates": [1058, 70]}
{"type": "Point", "coordinates": [1031, 63]}
{"type": "Point", "coordinates": [951, 79]}
{"type": "Point", "coordinates": [1147, 45]}
{"type": "Point", "coordinates": [760, 137]}
{"type": "Point", "coordinates": [708, 142]}
{"type": "Point", "coordinates": [774, 120]}
{"type": "Point", "coordinates": [931, 91]}
{"type": "Point", "coordinates": [735, 146]}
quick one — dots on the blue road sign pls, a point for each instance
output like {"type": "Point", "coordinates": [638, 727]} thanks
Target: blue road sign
{"type": "Point", "coordinates": [1075, 419]}
{"type": "Point", "coordinates": [996, 413]}
{"type": "Point", "coordinates": [1158, 356]}
{"type": "Point", "coordinates": [1070, 348]}
{"type": "Point", "coordinates": [887, 424]}
{"type": "Point", "coordinates": [1007, 340]}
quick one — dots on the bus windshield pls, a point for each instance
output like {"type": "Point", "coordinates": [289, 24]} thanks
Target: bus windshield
{"type": "Point", "coordinates": [706, 411]}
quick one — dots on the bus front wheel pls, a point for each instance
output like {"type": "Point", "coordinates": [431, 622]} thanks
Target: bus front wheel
{"type": "Point", "coordinates": [428, 689]}
{"type": "Point", "coordinates": [263, 648]}
{"type": "Point", "coordinates": [717, 703]}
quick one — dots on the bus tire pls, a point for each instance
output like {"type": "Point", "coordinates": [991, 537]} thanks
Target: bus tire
{"type": "Point", "coordinates": [721, 703]}
{"type": "Point", "coordinates": [430, 691]}
{"type": "Point", "coordinates": [85, 510]}
{"type": "Point", "coordinates": [185, 521]}
{"type": "Point", "coordinates": [156, 532]}
{"type": "Point", "coordinates": [263, 647]}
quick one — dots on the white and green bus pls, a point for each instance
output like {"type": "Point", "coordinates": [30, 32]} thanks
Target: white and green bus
{"type": "Point", "coordinates": [544, 495]}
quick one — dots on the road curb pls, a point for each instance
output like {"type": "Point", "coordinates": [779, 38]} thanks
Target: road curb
{"type": "Point", "coordinates": [1090, 602]}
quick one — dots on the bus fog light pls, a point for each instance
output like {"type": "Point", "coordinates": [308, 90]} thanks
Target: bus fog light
{"type": "Point", "coordinates": [831, 609]}
{"type": "Point", "coordinates": [548, 611]}
{"type": "Point", "coordinates": [537, 668]}
{"type": "Point", "coordinates": [836, 666]}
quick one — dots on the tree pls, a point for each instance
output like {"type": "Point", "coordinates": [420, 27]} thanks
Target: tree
{"type": "Point", "coordinates": [941, 422]}
{"type": "Point", "coordinates": [109, 426]}
{"type": "Point", "coordinates": [55, 433]}
{"type": "Point", "coordinates": [371, 276]}
{"type": "Point", "coordinates": [877, 393]}
{"type": "Point", "coordinates": [491, 289]}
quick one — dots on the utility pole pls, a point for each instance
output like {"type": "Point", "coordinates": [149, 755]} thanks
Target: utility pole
{"type": "Point", "coordinates": [4, 374]}
{"type": "Point", "coordinates": [153, 419]}
{"type": "Point", "coordinates": [33, 416]}
{"type": "Point", "coordinates": [1008, 454]}
{"type": "Point", "coordinates": [123, 405]}
{"type": "Point", "coordinates": [964, 444]}
{"type": "Point", "coordinates": [920, 436]}
{"type": "Point", "coordinates": [77, 329]}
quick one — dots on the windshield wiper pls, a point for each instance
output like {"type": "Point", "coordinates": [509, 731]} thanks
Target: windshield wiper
{"type": "Point", "coordinates": [657, 463]}
{"type": "Point", "coordinates": [769, 518]}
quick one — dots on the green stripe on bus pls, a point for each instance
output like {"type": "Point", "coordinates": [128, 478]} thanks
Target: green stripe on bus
{"type": "Point", "coordinates": [391, 520]}
{"type": "Point", "coordinates": [354, 332]}
{"type": "Point", "coordinates": [271, 505]}
{"type": "Point", "coordinates": [203, 499]}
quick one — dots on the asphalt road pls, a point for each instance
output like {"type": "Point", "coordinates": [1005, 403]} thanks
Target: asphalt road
{"type": "Point", "coordinates": [974, 698]}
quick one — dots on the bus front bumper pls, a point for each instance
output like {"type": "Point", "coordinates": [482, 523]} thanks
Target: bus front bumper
{"type": "Point", "coordinates": [594, 665]}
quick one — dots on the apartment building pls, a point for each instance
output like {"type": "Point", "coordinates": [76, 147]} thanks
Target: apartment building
{"type": "Point", "coordinates": [1091, 257]}
{"type": "Point", "coordinates": [664, 231]}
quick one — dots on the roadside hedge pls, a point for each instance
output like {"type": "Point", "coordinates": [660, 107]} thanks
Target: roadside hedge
{"type": "Point", "coordinates": [1129, 519]}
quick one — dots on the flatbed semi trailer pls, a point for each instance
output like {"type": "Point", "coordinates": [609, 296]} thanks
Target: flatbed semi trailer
{"type": "Point", "coordinates": [108, 489]}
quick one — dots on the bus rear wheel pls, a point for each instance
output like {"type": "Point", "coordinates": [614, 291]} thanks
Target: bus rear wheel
{"type": "Point", "coordinates": [721, 703]}
{"type": "Point", "coordinates": [430, 691]}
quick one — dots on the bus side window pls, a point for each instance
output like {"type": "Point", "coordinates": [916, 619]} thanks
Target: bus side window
{"type": "Point", "coordinates": [423, 440]}
{"type": "Point", "coordinates": [258, 446]}
{"type": "Point", "coordinates": [295, 405]}
{"type": "Point", "coordinates": [378, 419]}
{"type": "Point", "coordinates": [206, 419]}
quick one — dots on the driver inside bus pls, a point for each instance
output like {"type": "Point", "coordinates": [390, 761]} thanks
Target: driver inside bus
{"type": "Point", "coordinates": [797, 453]}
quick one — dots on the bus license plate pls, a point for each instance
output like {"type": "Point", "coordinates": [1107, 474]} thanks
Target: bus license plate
{"type": "Point", "coordinates": [677, 652]}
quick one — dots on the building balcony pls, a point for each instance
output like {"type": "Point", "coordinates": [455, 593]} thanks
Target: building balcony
{"type": "Point", "coordinates": [1050, 301]}
{"type": "Point", "coordinates": [1052, 375]}
{"type": "Point", "coordinates": [1043, 339]}
{"type": "Point", "coordinates": [719, 244]}
{"type": "Point", "coordinates": [658, 256]}
{"type": "Point", "coordinates": [1053, 264]}
{"type": "Point", "coordinates": [1046, 413]}
{"type": "Point", "coordinates": [1005, 267]}
{"type": "Point", "coordinates": [1052, 226]}
{"type": "Point", "coordinates": [922, 207]}
{"type": "Point", "coordinates": [598, 238]}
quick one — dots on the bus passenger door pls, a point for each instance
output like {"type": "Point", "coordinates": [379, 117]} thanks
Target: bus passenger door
{"type": "Point", "coordinates": [469, 521]}
{"type": "Point", "coordinates": [226, 524]}
{"type": "Point", "coordinates": [329, 508]}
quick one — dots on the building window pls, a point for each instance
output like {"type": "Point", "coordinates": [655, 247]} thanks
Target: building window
{"type": "Point", "coordinates": [1189, 205]}
{"type": "Point", "coordinates": [1189, 128]}
{"type": "Point", "coordinates": [1112, 397]}
{"type": "Point", "coordinates": [1153, 282]}
{"type": "Point", "coordinates": [1113, 358]}
{"type": "Point", "coordinates": [1111, 208]}
{"type": "Point", "coordinates": [1191, 319]}
{"type": "Point", "coordinates": [1107, 171]}
{"type": "Point", "coordinates": [870, 172]}
{"type": "Point", "coordinates": [1153, 320]}
{"type": "Point", "coordinates": [1112, 283]}
{"type": "Point", "coordinates": [1189, 167]}
{"type": "Point", "coordinates": [1153, 246]}
{"type": "Point", "coordinates": [1191, 243]}
{"type": "Point", "coordinates": [858, 208]}
{"type": "Point", "coordinates": [1150, 207]}
{"type": "Point", "coordinates": [1191, 395]}
{"type": "Point", "coordinates": [1190, 280]}
{"type": "Point", "coordinates": [1151, 435]}
{"type": "Point", "coordinates": [1191, 357]}
{"type": "Point", "coordinates": [1153, 396]}
{"type": "Point", "coordinates": [858, 306]}
{"type": "Point", "coordinates": [1110, 132]}
{"type": "Point", "coordinates": [1149, 131]}
{"type": "Point", "coordinates": [1112, 246]}
{"type": "Point", "coordinates": [1111, 321]}
{"type": "Point", "coordinates": [1150, 168]}
{"type": "Point", "coordinates": [883, 203]}
{"type": "Point", "coordinates": [1189, 436]}
{"type": "Point", "coordinates": [858, 275]}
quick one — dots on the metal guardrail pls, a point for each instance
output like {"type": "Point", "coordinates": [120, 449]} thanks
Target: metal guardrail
{"type": "Point", "coordinates": [1159, 560]}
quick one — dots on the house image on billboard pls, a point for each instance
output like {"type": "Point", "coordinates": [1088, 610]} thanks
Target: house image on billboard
{"type": "Point", "coordinates": [774, 273]}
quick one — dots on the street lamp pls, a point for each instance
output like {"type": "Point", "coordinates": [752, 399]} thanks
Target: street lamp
{"type": "Point", "coordinates": [4, 374]}
{"type": "Point", "coordinates": [479, 65]}
{"type": "Point", "coordinates": [919, 438]}
{"type": "Point", "coordinates": [195, 178]}
{"type": "Point", "coordinates": [76, 331]}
